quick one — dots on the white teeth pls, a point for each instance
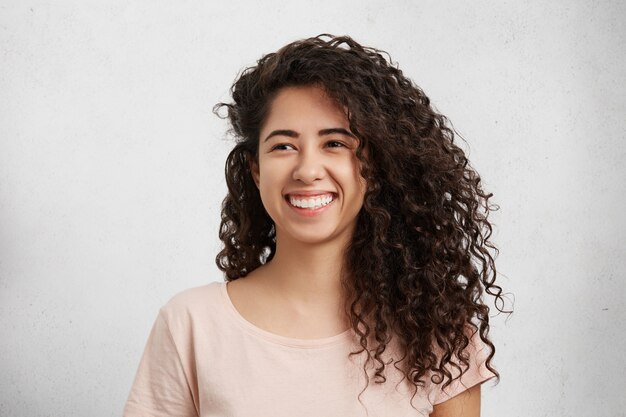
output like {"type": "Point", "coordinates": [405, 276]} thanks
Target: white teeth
{"type": "Point", "coordinates": [311, 202]}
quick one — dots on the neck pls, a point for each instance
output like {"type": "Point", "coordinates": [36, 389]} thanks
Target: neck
{"type": "Point", "coordinates": [307, 277]}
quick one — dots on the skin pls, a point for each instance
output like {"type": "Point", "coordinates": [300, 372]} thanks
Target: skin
{"type": "Point", "coordinates": [466, 404]}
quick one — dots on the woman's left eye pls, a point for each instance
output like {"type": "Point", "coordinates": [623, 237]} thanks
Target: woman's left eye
{"type": "Point", "coordinates": [335, 144]}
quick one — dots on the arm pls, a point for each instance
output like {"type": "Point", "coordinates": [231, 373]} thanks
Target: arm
{"type": "Point", "coordinates": [465, 404]}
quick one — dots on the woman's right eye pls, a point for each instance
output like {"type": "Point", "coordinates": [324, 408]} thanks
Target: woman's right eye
{"type": "Point", "coordinates": [280, 146]}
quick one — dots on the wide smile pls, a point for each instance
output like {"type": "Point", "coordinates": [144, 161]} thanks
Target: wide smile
{"type": "Point", "coordinates": [311, 206]}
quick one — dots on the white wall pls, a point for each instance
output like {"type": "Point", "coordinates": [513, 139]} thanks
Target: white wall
{"type": "Point", "coordinates": [111, 176]}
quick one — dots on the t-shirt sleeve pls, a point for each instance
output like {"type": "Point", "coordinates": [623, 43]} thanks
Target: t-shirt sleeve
{"type": "Point", "coordinates": [161, 387]}
{"type": "Point", "coordinates": [477, 373]}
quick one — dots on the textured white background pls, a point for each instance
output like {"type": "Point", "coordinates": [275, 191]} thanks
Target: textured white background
{"type": "Point", "coordinates": [111, 176]}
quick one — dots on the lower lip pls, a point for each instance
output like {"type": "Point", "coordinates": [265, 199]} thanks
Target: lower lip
{"type": "Point", "coordinates": [307, 212]}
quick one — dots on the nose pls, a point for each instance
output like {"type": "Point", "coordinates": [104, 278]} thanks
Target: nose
{"type": "Point", "coordinates": [309, 167]}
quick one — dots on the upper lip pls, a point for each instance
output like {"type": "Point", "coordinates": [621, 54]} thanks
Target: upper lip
{"type": "Point", "coordinates": [309, 193]}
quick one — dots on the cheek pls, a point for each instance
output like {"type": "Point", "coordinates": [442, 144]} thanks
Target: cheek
{"type": "Point", "coordinates": [357, 177]}
{"type": "Point", "coordinates": [269, 185]}
{"type": "Point", "coordinates": [363, 184]}
{"type": "Point", "coordinates": [265, 172]}
{"type": "Point", "coordinates": [358, 165]}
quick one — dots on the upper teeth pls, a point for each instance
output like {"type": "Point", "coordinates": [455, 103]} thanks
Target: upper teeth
{"type": "Point", "coordinates": [318, 201]}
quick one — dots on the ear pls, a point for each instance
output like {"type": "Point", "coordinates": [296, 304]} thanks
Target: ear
{"type": "Point", "coordinates": [254, 169]}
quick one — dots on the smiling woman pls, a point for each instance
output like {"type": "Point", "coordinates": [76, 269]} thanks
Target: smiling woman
{"type": "Point", "coordinates": [355, 237]}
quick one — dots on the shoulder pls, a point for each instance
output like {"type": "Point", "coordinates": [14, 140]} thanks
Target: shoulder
{"type": "Point", "coordinates": [192, 305]}
{"type": "Point", "coordinates": [194, 297]}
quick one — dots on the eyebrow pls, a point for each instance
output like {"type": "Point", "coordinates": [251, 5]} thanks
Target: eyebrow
{"type": "Point", "coordinates": [323, 132]}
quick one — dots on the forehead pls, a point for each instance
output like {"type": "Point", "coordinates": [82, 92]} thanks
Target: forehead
{"type": "Point", "coordinates": [305, 105]}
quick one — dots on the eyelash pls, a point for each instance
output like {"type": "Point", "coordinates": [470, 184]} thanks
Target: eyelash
{"type": "Point", "coordinates": [343, 145]}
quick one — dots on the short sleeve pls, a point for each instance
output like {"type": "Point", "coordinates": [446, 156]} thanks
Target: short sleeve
{"type": "Point", "coordinates": [161, 387]}
{"type": "Point", "coordinates": [477, 373]}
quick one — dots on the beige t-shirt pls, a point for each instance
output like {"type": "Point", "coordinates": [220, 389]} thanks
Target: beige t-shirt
{"type": "Point", "coordinates": [203, 359]}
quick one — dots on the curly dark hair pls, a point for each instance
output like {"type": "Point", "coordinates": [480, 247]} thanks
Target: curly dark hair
{"type": "Point", "coordinates": [420, 260]}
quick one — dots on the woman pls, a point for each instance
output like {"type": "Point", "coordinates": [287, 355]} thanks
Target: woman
{"type": "Point", "coordinates": [356, 255]}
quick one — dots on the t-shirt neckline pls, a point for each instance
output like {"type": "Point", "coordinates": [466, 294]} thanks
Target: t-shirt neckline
{"type": "Point", "coordinates": [278, 339]}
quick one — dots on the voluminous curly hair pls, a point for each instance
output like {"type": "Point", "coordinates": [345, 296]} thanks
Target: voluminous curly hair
{"type": "Point", "coordinates": [420, 260]}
